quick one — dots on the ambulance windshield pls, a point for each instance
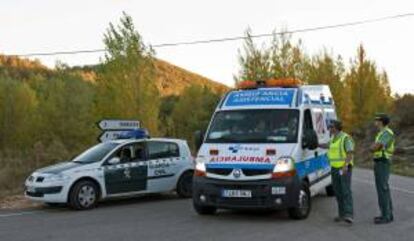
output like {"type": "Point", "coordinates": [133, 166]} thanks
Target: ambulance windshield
{"type": "Point", "coordinates": [254, 126]}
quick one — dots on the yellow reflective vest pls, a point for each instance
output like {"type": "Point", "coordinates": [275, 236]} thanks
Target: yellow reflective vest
{"type": "Point", "coordinates": [336, 152]}
{"type": "Point", "coordinates": [386, 151]}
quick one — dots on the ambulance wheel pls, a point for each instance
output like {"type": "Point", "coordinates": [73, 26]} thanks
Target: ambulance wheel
{"type": "Point", "coordinates": [204, 210]}
{"type": "Point", "coordinates": [185, 185]}
{"type": "Point", "coordinates": [304, 204]}
{"type": "Point", "coordinates": [330, 191]}
{"type": "Point", "coordinates": [84, 195]}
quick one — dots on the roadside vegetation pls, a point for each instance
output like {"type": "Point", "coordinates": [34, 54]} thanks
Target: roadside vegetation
{"type": "Point", "coordinates": [49, 115]}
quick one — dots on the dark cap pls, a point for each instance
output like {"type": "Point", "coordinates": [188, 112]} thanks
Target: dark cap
{"type": "Point", "coordinates": [384, 118]}
{"type": "Point", "coordinates": [335, 124]}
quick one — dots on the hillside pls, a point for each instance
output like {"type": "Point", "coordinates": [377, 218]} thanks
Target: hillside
{"type": "Point", "coordinates": [172, 80]}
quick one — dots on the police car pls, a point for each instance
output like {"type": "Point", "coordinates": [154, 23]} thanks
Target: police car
{"type": "Point", "coordinates": [261, 149]}
{"type": "Point", "coordinates": [114, 169]}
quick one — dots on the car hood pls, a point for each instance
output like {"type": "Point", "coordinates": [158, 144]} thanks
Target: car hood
{"type": "Point", "coordinates": [59, 168]}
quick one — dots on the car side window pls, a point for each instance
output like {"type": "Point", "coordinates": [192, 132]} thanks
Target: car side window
{"type": "Point", "coordinates": [138, 152]}
{"type": "Point", "coordinates": [159, 149]}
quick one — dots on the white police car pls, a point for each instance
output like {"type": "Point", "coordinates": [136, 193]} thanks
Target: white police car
{"type": "Point", "coordinates": [113, 169]}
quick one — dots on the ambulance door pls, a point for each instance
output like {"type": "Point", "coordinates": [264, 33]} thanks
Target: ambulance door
{"type": "Point", "coordinates": [309, 156]}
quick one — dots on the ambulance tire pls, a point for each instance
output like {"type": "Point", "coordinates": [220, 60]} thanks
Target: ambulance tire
{"type": "Point", "coordinates": [204, 210]}
{"type": "Point", "coordinates": [304, 204]}
{"type": "Point", "coordinates": [83, 195]}
{"type": "Point", "coordinates": [185, 185]}
{"type": "Point", "coordinates": [330, 191]}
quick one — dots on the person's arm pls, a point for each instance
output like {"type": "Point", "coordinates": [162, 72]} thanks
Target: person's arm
{"type": "Point", "coordinates": [324, 145]}
{"type": "Point", "coordinates": [349, 149]}
{"type": "Point", "coordinates": [382, 142]}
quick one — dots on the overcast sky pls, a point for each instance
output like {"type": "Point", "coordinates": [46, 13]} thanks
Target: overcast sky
{"type": "Point", "coordinates": [28, 26]}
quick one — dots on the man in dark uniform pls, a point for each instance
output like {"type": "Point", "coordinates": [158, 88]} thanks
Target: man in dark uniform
{"type": "Point", "coordinates": [341, 154]}
{"type": "Point", "coordinates": [383, 148]}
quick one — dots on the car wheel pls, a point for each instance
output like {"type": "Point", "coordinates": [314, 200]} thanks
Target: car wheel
{"type": "Point", "coordinates": [204, 210]}
{"type": "Point", "coordinates": [330, 191]}
{"type": "Point", "coordinates": [304, 204]}
{"type": "Point", "coordinates": [84, 195]}
{"type": "Point", "coordinates": [185, 185]}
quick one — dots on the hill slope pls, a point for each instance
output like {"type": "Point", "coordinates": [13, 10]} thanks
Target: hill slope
{"type": "Point", "coordinates": [170, 80]}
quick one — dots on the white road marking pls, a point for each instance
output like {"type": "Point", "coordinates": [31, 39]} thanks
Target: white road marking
{"type": "Point", "coordinates": [6, 215]}
{"type": "Point", "coordinates": [391, 187]}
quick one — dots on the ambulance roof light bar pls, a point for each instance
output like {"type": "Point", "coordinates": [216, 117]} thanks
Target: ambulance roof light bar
{"type": "Point", "coordinates": [276, 83]}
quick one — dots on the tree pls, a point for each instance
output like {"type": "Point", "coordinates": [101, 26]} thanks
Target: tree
{"type": "Point", "coordinates": [193, 111]}
{"type": "Point", "coordinates": [282, 59]}
{"type": "Point", "coordinates": [369, 91]}
{"type": "Point", "coordinates": [126, 87]}
{"type": "Point", "coordinates": [327, 70]}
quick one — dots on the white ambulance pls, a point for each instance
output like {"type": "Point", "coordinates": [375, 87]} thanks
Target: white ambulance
{"type": "Point", "coordinates": [261, 149]}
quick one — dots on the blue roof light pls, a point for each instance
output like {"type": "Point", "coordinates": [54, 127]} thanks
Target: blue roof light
{"type": "Point", "coordinates": [140, 133]}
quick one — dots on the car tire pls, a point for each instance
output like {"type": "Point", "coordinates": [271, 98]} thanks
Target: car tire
{"type": "Point", "coordinates": [203, 209]}
{"type": "Point", "coordinates": [330, 191]}
{"type": "Point", "coordinates": [84, 195]}
{"type": "Point", "coordinates": [303, 209]}
{"type": "Point", "coordinates": [185, 185]}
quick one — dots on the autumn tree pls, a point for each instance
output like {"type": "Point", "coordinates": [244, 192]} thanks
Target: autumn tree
{"type": "Point", "coordinates": [193, 111]}
{"type": "Point", "coordinates": [126, 87]}
{"type": "Point", "coordinates": [369, 90]}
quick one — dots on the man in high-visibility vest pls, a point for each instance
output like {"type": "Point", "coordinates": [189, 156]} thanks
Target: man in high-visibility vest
{"type": "Point", "coordinates": [383, 148]}
{"type": "Point", "coordinates": [340, 155]}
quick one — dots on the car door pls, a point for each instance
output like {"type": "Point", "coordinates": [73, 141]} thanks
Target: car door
{"type": "Point", "coordinates": [130, 175]}
{"type": "Point", "coordinates": [163, 158]}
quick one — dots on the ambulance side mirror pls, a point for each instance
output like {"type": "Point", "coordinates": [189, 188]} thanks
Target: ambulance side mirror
{"type": "Point", "coordinates": [310, 140]}
{"type": "Point", "coordinates": [198, 139]}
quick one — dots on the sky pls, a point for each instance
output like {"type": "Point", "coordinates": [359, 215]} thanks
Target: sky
{"type": "Point", "coordinates": [28, 26]}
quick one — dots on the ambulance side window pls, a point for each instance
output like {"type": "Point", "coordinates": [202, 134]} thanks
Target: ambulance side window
{"type": "Point", "coordinates": [307, 125]}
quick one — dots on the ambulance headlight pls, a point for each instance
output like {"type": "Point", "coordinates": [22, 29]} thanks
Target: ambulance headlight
{"type": "Point", "coordinates": [56, 178]}
{"type": "Point", "coordinates": [200, 167]}
{"type": "Point", "coordinates": [284, 167]}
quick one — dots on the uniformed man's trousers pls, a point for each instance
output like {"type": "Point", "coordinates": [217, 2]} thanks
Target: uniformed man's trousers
{"type": "Point", "coordinates": [341, 183]}
{"type": "Point", "coordinates": [382, 174]}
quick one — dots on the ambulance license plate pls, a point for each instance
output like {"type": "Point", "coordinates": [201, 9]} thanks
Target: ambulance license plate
{"type": "Point", "coordinates": [236, 193]}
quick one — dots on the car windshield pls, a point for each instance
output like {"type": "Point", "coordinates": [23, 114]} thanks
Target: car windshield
{"type": "Point", "coordinates": [95, 153]}
{"type": "Point", "coordinates": [254, 126]}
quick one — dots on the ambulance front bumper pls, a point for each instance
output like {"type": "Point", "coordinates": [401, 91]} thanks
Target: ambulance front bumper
{"type": "Point", "coordinates": [265, 194]}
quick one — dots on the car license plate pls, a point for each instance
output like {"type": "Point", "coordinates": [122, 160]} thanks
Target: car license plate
{"type": "Point", "coordinates": [237, 193]}
{"type": "Point", "coordinates": [30, 189]}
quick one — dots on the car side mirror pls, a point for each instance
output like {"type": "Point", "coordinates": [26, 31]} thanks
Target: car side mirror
{"type": "Point", "coordinates": [310, 140]}
{"type": "Point", "coordinates": [114, 160]}
{"type": "Point", "coordinates": [198, 139]}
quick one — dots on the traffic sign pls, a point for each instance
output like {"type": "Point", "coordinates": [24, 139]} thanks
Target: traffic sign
{"type": "Point", "coordinates": [112, 135]}
{"type": "Point", "coordinates": [118, 124]}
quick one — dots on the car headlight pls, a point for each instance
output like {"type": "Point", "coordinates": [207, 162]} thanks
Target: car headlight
{"type": "Point", "coordinates": [56, 178]}
{"type": "Point", "coordinates": [284, 167]}
{"type": "Point", "coordinates": [200, 167]}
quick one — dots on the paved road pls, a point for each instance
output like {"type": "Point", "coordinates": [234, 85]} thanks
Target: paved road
{"type": "Point", "coordinates": [166, 217]}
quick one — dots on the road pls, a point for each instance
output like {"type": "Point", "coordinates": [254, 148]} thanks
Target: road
{"type": "Point", "coordinates": [165, 217]}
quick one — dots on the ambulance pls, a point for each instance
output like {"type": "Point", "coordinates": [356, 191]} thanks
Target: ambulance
{"type": "Point", "coordinates": [261, 151]}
